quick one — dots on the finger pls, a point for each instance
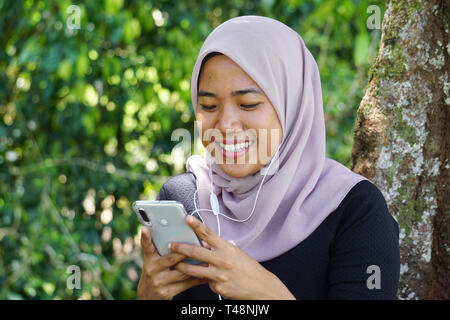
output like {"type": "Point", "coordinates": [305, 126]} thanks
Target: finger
{"type": "Point", "coordinates": [204, 232]}
{"type": "Point", "coordinates": [198, 271]}
{"type": "Point", "coordinates": [148, 248]}
{"type": "Point", "coordinates": [196, 252]}
{"type": "Point", "coordinates": [180, 286]}
{"type": "Point", "coordinates": [170, 276]}
{"type": "Point", "coordinates": [169, 260]}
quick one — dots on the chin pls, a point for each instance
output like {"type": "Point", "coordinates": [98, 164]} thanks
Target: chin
{"type": "Point", "coordinates": [238, 170]}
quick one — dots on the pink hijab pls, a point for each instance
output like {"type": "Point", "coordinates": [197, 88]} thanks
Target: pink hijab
{"type": "Point", "coordinates": [306, 186]}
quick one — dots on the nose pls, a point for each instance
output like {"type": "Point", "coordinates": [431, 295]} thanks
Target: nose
{"type": "Point", "coordinates": [229, 119]}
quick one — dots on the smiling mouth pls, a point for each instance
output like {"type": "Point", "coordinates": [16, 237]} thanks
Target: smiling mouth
{"type": "Point", "coordinates": [235, 147]}
{"type": "Point", "coordinates": [234, 151]}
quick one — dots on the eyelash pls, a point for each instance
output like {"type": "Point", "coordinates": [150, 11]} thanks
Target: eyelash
{"type": "Point", "coordinates": [245, 106]}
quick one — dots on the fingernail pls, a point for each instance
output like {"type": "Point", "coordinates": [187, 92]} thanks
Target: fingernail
{"type": "Point", "coordinates": [169, 245]}
{"type": "Point", "coordinates": [190, 219]}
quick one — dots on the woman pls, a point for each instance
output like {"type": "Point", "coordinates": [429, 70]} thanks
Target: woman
{"type": "Point", "coordinates": [307, 229]}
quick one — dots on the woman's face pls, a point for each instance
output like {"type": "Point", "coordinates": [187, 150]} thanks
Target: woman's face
{"type": "Point", "coordinates": [238, 121]}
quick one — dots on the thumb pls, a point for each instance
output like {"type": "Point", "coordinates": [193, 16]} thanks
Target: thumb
{"type": "Point", "coordinates": [147, 243]}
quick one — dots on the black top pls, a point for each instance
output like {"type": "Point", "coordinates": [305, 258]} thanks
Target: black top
{"type": "Point", "coordinates": [337, 260]}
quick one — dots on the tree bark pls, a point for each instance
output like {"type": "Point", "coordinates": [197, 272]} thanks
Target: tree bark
{"type": "Point", "coordinates": [401, 140]}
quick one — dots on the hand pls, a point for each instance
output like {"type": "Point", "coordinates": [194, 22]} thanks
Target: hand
{"type": "Point", "coordinates": [157, 281]}
{"type": "Point", "coordinates": [230, 271]}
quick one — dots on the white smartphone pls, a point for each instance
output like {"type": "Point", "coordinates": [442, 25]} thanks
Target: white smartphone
{"type": "Point", "coordinates": [165, 218]}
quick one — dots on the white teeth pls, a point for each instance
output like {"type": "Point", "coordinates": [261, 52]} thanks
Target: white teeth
{"type": "Point", "coordinates": [235, 147]}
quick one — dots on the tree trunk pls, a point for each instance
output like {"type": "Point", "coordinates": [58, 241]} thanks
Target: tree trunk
{"type": "Point", "coordinates": [402, 142]}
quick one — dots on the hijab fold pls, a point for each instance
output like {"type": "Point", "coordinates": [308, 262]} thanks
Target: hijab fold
{"type": "Point", "coordinates": [306, 186]}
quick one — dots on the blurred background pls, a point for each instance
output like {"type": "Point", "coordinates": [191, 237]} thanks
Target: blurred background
{"type": "Point", "coordinates": [90, 93]}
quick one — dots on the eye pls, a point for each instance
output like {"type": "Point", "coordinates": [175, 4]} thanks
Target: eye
{"type": "Point", "coordinates": [208, 107]}
{"type": "Point", "coordinates": [249, 106]}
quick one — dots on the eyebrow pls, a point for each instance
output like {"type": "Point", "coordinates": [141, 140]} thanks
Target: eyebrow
{"type": "Point", "coordinates": [203, 93]}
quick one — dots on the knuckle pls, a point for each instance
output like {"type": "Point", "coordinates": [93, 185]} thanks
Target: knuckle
{"type": "Point", "coordinates": [228, 265]}
{"type": "Point", "coordinates": [144, 240]}
{"type": "Point", "coordinates": [149, 271]}
{"type": "Point", "coordinates": [162, 293]}
{"type": "Point", "coordinates": [222, 277]}
{"type": "Point", "coordinates": [204, 231]}
{"type": "Point", "coordinates": [192, 251]}
{"type": "Point", "coordinates": [174, 246]}
{"type": "Point", "coordinates": [147, 249]}
{"type": "Point", "coordinates": [143, 236]}
{"type": "Point", "coordinates": [207, 232]}
{"type": "Point", "coordinates": [184, 276]}
{"type": "Point", "coordinates": [155, 283]}
{"type": "Point", "coordinates": [184, 267]}
{"type": "Point", "coordinates": [171, 259]}
{"type": "Point", "coordinates": [178, 267]}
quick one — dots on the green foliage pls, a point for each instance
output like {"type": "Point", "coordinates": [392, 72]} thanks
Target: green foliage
{"type": "Point", "coordinates": [86, 117]}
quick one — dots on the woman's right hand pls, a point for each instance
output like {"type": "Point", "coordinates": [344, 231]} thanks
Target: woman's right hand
{"type": "Point", "coordinates": [158, 281]}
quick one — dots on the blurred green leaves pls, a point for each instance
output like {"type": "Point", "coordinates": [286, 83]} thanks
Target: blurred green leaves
{"type": "Point", "coordinates": [86, 117]}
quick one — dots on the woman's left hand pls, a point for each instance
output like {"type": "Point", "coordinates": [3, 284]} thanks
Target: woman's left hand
{"type": "Point", "coordinates": [230, 271]}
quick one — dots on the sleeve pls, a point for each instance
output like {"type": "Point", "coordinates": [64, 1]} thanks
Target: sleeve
{"type": "Point", "coordinates": [365, 253]}
{"type": "Point", "coordinates": [161, 194]}
{"type": "Point", "coordinates": [185, 295]}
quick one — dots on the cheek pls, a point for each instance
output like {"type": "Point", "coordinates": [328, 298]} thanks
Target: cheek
{"type": "Point", "coordinates": [265, 121]}
{"type": "Point", "coordinates": [275, 125]}
{"type": "Point", "coordinates": [205, 119]}
{"type": "Point", "coordinates": [269, 129]}
{"type": "Point", "coordinates": [205, 125]}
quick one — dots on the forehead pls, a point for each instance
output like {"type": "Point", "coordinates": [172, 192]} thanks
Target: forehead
{"type": "Point", "coordinates": [220, 71]}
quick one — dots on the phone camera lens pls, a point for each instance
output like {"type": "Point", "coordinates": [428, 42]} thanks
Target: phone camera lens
{"type": "Point", "coordinates": [144, 215]}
